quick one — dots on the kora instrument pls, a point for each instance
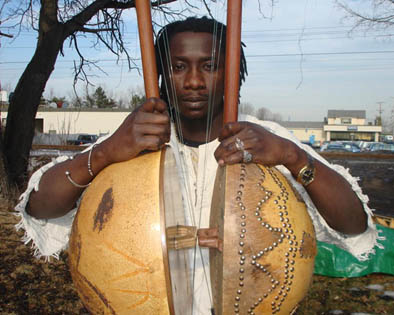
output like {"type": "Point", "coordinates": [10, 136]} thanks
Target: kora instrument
{"type": "Point", "coordinates": [130, 242]}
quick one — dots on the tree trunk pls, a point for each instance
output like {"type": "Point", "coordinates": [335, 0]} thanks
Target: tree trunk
{"type": "Point", "coordinates": [19, 132]}
{"type": "Point", "coordinates": [3, 174]}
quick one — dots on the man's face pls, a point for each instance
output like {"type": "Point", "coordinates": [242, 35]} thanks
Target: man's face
{"type": "Point", "coordinates": [198, 80]}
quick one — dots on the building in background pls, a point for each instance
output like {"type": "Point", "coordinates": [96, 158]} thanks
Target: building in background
{"type": "Point", "coordinates": [68, 122]}
{"type": "Point", "coordinates": [71, 121]}
{"type": "Point", "coordinates": [3, 97]}
{"type": "Point", "coordinates": [340, 125]}
{"type": "Point", "coordinates": [350, 125]}
{"type": "Point", "coordinates": [306, 131]}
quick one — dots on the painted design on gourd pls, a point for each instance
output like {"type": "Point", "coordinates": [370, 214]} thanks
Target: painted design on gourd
{"type": "Point", "coordinates": [278, 236]}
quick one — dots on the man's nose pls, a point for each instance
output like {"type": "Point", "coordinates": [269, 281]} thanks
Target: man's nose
{"type": "Point", "coordinates": [194, 80]}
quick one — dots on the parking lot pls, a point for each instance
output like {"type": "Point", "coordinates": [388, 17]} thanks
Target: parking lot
{"type": "Point", "coordinates": [358, 147]}
{"type": "Point", "coordinates": [375, 173]}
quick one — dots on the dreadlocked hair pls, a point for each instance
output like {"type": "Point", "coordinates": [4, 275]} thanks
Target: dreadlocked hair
{"type": "Point", "coordinates": [197, 25]}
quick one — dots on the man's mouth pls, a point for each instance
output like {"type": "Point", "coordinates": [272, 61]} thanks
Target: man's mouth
{"type": "Point", "coordinates": [193, 99]}
{"type": "Point", "coordinates": [195, 102]}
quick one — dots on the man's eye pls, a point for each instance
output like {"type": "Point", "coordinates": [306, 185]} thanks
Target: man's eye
{"type": "Point", "coordinates": [178, 67]}
{"type": "Point", "coordinates": [209, 67]}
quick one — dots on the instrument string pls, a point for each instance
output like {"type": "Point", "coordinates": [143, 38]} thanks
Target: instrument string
{"type": "Point", "coordinates": [170, 90]}
{"type": "Point", "coordinates": [200, 210]}
{"type": "Point", "coordinates": [215, 60]}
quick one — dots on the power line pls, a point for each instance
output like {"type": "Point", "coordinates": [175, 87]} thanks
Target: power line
{"type": "Point", "coordinates": [248, 42]}
{"type": "Point", "coordinates": [324, 53]}
{"type": "Point", "coordinates": [252, 73]}
{"type": "Point", "coordinates": [247, 56]}
{"type": "Point", "coordinates": [344, 27]}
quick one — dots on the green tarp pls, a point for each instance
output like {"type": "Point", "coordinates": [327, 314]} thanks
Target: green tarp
{"type": "Point", "coordinates": [333, 261]}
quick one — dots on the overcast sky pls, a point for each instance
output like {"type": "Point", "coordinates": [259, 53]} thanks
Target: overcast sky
{"type": "Point", "coordinates": [302, 61]}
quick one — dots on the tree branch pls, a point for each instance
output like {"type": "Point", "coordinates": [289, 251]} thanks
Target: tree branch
{"type": "Point", "coordinates": [79, 71]}
{"type": "Point", "coordinates": [131, 4]}
{"type": "Point", "coordinates": [95, 31]}
{"type": "Point", "coordinates": [6, 35]}
{"type": "Point", "coordinates": [77, 22]}
{"type": "Point", "coordinates": [382, 13]}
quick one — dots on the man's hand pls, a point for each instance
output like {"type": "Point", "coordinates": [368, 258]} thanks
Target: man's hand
{"type": "Point", "coordinates": [265, 147]}
{"type": "Point", "coordinates": [147, 128]}
{"type": "Point", "coordinates": [330, 192]}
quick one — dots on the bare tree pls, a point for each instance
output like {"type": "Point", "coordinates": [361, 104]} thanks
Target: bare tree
{"type": "Point", "coordinates": [277, 117]}
{"type": "Point", "coordinates": [263, 113]}
{"type": "Point", "coordinates": [388, 122]}
{"type": "Point", "coordinates": [246, 108]}
{"type": "Point", "coordinates": [3, 19]}
{"type": "Point", "coordinates": [379, 14]}
{"type": "Point", "coordinates": [55, 21]}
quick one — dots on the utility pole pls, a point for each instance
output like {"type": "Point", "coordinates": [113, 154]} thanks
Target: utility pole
{"type": "Point", "coordinates": [392, 120]}
{"type": "Point", "coordinates": [392, 117]}
{"type": "Point", "coordinates": [380, 111]}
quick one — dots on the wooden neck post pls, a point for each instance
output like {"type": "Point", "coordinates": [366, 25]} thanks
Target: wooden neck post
{"type": "Point", "coordinates": [233, 59]}
{"type": "Point", "coordinates": [145, 31]}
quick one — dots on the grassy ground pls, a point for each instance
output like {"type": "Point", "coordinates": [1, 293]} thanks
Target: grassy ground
{"type": "Point", "coordinates": [31, 286]}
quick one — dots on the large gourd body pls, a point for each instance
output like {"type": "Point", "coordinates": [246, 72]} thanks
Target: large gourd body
{"type": "Point", "coordinates": [122, 262]}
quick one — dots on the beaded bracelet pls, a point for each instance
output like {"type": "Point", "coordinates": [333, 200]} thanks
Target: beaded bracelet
{"type": "Point", "coordinates": [68, 175]}
{"type": "Point", "coordinates": [89, 161]}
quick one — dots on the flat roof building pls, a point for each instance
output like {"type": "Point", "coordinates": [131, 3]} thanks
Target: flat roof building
{"type": "Point", "coordinates": [338, 125]}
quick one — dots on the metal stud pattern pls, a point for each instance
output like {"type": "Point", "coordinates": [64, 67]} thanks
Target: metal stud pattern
{"type": "Point", "coordinates": [286, 238]}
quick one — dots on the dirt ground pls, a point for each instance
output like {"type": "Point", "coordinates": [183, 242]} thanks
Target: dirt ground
{"type": "Point", "coordinates": [32, 286]}
{"type": "Point", "coordinates": [376, 178]}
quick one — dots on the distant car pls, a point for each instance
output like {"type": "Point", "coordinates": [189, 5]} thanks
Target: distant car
{"type": "Point", "coordinates": [367, 146]}
{"type": "Point", "coordinates": [307, 143]}
{"type": "Point", "coordinates": [382, 148]}
{"type": "Point", "coordinates": [83, 139]}
{"type": "Point", "coordinates": [388, 139]}
{"type": "Point", "coordinates": [334, 147]}
{"type": "Point", "coordinates": [315, 145]}
{"type": "Point", "coordinates": [352, 147]}
{"type": "Point", "coordinates": [324, 145]}
{"type": "Point", "coordinates": [361, 144]}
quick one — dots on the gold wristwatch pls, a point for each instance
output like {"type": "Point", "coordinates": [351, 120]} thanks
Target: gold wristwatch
{"type": "Point", "coordinates": [307, 174]}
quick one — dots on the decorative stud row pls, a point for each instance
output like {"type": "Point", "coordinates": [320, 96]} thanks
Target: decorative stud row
{"type": "Point", "coordinates": [286, 232]}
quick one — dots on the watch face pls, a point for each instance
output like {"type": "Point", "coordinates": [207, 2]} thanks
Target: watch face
{"type": "Point", "coordinates": [307, 173]}
{"type": "Point", "coordinates": [308, 176]}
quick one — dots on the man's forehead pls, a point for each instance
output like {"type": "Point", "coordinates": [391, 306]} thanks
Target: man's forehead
{"type": "Point", "coordinates": [192, 43]}
{"type": "Point", "coordinates": [191, 35]}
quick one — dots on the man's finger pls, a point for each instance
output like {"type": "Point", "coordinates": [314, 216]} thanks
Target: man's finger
{"type": "Point", "coordinates": [230, 129]}
{"type": "Point", "coordinates": [234, 158]}
{"type": "Point", "coordinates": [152, 118]}
{"type": "Point", "coordinates": [152, 143]}
{"type": "Point", "coordinates": [154, 104]}
{"type": "Point", "coordinates": [154, 129]}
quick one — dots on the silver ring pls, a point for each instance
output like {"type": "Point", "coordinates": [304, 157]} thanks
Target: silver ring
{"type": "Point", "coordinates": [247, 156]}
{"type": "Point", "coordinates": [239, 144]}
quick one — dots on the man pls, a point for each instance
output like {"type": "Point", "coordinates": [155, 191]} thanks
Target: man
{"type": "Point", "coordinates": [192, 89]}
